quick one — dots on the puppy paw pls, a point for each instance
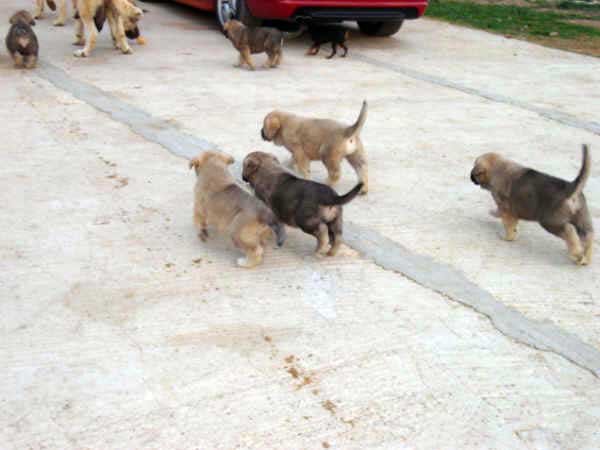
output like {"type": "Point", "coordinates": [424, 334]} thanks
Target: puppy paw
{"type": "Point", "coordinates": [245, 263]}
{"type": "Point", "coordinates": [79, 42]}
{"type": "Point", "coordinates": [126, 51]}
{"type": "Point", "coordinates": [80, 53]}
{"type": "Point", "coordinates": [59, 23]}
{"type": "Point", "coordinates": [508, 237]}
{"type": "Point", "coordinates": [579, 259]}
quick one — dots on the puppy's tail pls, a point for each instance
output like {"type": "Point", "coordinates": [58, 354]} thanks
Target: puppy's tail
{"type": "Point", "coordinates": [355, 129]}
{"type": "Point", "coordinates": [342, 199]}
{"type": "Point", "coordinates": [577, 185]}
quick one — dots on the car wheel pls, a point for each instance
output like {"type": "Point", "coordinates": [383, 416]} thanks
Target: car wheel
{"type": "Point", "coordinates": [380, 28]}
{"type": "Point", "coordinates": [237, 9]}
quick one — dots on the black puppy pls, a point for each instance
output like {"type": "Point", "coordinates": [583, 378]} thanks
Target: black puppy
{"type": "Point", "coordinates": [21, 41]}
{"type": "Point", "coordinates": [313, 207]}
{"type": "Point", "coordinates": [322, 34]}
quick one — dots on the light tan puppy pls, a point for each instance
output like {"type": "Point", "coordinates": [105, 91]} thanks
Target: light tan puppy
{"type": "Point", "coordinates": [62, 10]}
{"type": "Point", "coordinates": [320, 139]}
{"type": "Point", "coordinates": [219, 202]}
{"type": "Point", "coordinates": [522, 193]}
{"type": "Point", "coordinates": [120, 14]}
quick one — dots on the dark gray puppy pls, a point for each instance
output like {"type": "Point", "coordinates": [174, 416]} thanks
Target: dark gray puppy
{"type": "Point", "coordinates": [21, 41]}
{"type": "Point", "coordinates": [522, 193]}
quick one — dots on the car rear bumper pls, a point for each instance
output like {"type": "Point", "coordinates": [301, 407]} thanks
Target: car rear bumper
{"type": "Point", "coordinates": [338, 10]}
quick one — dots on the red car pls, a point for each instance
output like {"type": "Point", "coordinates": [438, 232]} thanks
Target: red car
{"type": "Point", "coordinates": [374, 17]}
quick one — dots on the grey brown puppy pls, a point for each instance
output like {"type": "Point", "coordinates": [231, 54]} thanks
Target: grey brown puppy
{"type": "Point", "coordinates": [313, 207]}
{"type": "Point", "coordinates": [326, 140]}
{"type": "Point", "coordinates": [21, 41]}
{"type": "Point", "coordinates": [522, 193]}
{"type": "Point", "coordinates": [221, 203]}
{"type": "Point", "coordinates": [249, 41]}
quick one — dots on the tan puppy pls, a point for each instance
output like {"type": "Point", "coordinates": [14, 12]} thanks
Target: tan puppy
{"type": "Point", "coordinates": [526, 194]}
{"type": "Point", "coordinates": [320, 139]}
{"type": "Point", "coordinates": [255, 40]}
{"type": "Point", "coordinates": [220, 202]}
{"type": "Point", "coordinates": [62, 10]}
{"type": "Point", "coordinates": [120, 14]}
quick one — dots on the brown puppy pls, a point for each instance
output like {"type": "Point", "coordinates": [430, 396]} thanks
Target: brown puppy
{"type": "Point", "coordinates": [255, 40]}
{"type": "Point", "coordinates": [220, 202]}
{"type": "Point", "coordinates": [320, 139]}
{"type": "Point", "coordinates": [522, 193]}
{"type": "Point", "coordinates": [21, 41]}
{"type": "Point", "coordinates": [120, 14]}
{"type": "Point", "coordinates": [313, 207]}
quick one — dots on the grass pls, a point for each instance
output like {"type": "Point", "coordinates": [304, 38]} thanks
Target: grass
{"type": "Point", "coordinates": [509, 19]}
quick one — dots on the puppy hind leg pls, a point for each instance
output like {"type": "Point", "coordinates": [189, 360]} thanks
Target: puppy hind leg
{"type": "Point", "coordinates": [345, 49]}
{"type": "Point", "coordinates": [90, 26]}
{"type": "Point", "coordinates": [333, 50]}
{"type": "Point", "coordinates": [510, 226]}
{"type": "Point", "coordinates": [588, 245]}
{"type": "Point", "coordinates": [333, 170]}
{"type": "Point", "coordinates": [358, 161]}
{"type": "Point", "coordinates": [570, 236]}
{"type": "Point", "coordinates": [39, 9]}
{"type": "Point", "coordinates": [322, 235]}
{"type": "Point", "coordinates": [335, 234]}
{"type": "Point", "coordinates": [62, 14]}
{"type": "Point", "coordinates": [79, 33]}
{"type": "Point", "coordinates": [200, 221]}
{"type": "Point", "coordinates": [240, 62]}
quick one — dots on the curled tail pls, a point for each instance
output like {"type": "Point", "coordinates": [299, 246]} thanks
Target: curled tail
{"type": "Point", "coordinates": [342, 199]}
{"type": "Point", "coordinates": [355, 129]}
{"type": "Point", "coordinates": [577, 185]}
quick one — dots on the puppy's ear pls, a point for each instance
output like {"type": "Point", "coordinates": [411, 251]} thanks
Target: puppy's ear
{"type": "Point", "coordinates": [272, 125]}
{"type": "Point", "coordinates": [197, 162]}
{"type": "Point", "coordinates": [227, 159]}
{"type": "Point", "coordinates": [251, 165]}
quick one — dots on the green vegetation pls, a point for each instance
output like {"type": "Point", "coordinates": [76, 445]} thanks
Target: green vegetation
{"type": "Point", "coordinates": [513, 20]}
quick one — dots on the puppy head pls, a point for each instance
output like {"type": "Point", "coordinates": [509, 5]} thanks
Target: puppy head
{"type": "Point", "coordinates": [23, 17]}
{"type": "Point", "coordinates": [483, 168]}
{"type": "Point", "coordinates": [131, 16]}
{"type": "Point", "coordinates": [271, 126]}
{"type": "Point", "coordinates": [253, 162]}
{"type": "Point", "coordinates": [213, 157]}
{"type": "Point", "coordinates": [231, 26]}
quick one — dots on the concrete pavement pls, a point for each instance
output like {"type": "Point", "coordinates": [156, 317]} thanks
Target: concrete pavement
{"type": "Point", "coordinates": [121, 330]}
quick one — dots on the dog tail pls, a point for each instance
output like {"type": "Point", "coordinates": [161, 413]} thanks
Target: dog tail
{"type": "Point", "coordinates": [51, 4]}
{"type": "Point", "coordinates": [577, 185]}
{"type": "Point", "coordinates": [100, 17]}
{"type": "Point", "coordinates": [342, 199]}
{"type": "Point", "coordinates": [355, 129]}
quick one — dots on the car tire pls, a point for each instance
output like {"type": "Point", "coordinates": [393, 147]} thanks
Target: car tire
{"type": "Point", "coordinates": [245, 16]}
{"type": "Point", "coordinates": [380, 28]}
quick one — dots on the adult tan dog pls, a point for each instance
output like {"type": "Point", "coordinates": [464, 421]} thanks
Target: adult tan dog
{"type": "Point", "coordinates": [220, 202]}
{"type": "Point", "coordinates": [249, 41]}
{"type": "Point", "coordinates": [320, 139]}
{"type": "Point", "coordinates": [62, 10]}
{"type": "Point", "coordinates": [120, 14]}
{"type": "Point", "coordinates": [313, 207]}
{"type": "Point", "coordinates": [522, 193]}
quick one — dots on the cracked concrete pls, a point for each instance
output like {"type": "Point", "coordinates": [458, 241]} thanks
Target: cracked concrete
{"type": "Point", "coordinates": [120, 330]}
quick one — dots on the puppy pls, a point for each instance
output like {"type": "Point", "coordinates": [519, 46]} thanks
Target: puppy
{"type": "Point", "coordinates": [220, 202]}
{"type": "Point", "coordinates": [132, 30]}
{"type": "Point", "coordinates": [21, 41]}
{"type": "Point", "coordinates": [62, 10]}
{"type": "Point", "coordinates": [313, 207]}
{"type": "Point", "coordinates": [249, 41]}
{"type": "Point", "coordinates": [322, 34]}
{"type": "Point", "coordinates": [121, 15]}
{"type": "Point", "coordinates": [320, 139]}
{"type": "Point", "coordinates": [522, 193]}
